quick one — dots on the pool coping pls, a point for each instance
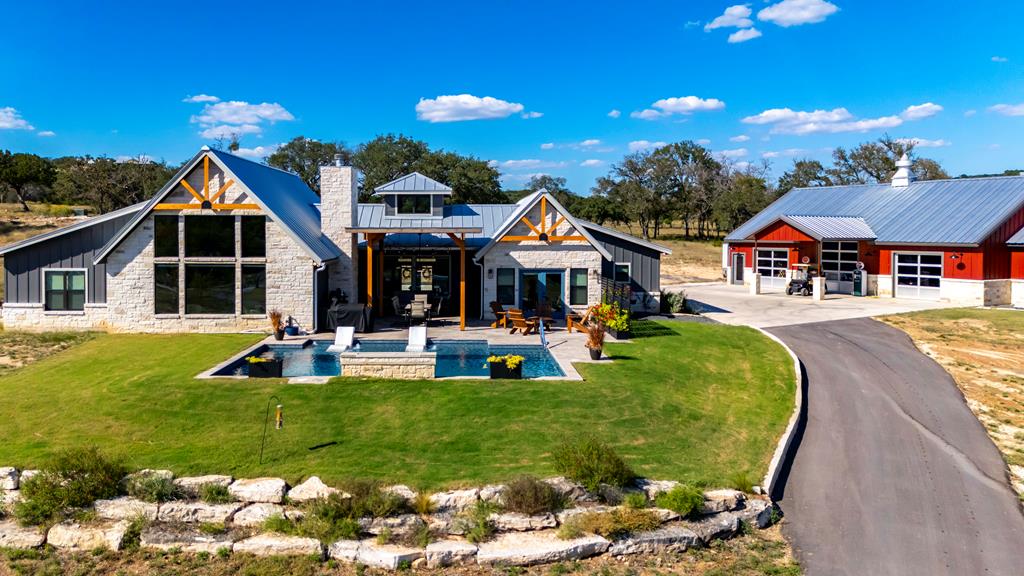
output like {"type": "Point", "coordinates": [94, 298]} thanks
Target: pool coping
{"type": "Point", "coordinates": [566, 365]}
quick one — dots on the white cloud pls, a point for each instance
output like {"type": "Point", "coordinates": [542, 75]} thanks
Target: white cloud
{"type": "Point", "coordinates": [590, 142]}
{"type": "Point", "coordinates": [737, 16]}
{"type": "Point", "coordinates": [614, 113]}
{"type": "Point", "coordinates": [591, 163]}
{"type": "Point", "coordinates": [1004, 109]}
{"type": "Point", "coordinates": [547, 146]}
{"type": "Point", "coordinates": [637, 145]}
{"type": "Point", "coordinates": [741, 166]}
{"type": "Point", "coordinates": [46, 133]}
{"type": "Point", "coordinates": [228, 131]}
{"type": "Point", "coordinates": [137, 159]}
{"type": "Point", "coordinates": [740, 138]}
{"type": "Point", "coordinates": [920, 111]}
{"type": "Point", "coordinates": [531, 115]}
{"type": "Point", "coordinates": [678, 105]}
{"type": "Point", "coordinates": [703, 141]}
{"type": "Point", "coordinates": [691, 24]}
{"type": "Point", "coordinates": [744, 35]}
{"type": "Point", "coordinates": [1000, 59]}
{"type": "Point", "coordinates": [789, 152]}
{"type": "Point", "coordinates": [787, 121]}
{"type": "Point", "coordinates": [461, 107]}
{"type": "Point", "coordinates": [198, 98]}
{"type": "Point", "coordinates": [523, 177]}
{"type": "Point", "coordinates": [257, 152]}
{"type": "Point", "coordinates": [970, 113]}
{"type": "Point", "coordinates": [237, 112]}
{"type": "Point", "coordinates": [734, 153]}
{"type": "Point", "coordinates": [796, 12]}
{"type": "Point", "coordinates": [529, 164]}
{"type": "Point", "coordinates": [925, 143]}
{"type": "Point", "coordinates": [10, 119]}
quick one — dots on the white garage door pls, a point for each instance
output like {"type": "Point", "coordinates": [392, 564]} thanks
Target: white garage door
{"type": "Point", "coordinates": [918, 275]}
{"type": "Point", "coordinates": [772, 265]}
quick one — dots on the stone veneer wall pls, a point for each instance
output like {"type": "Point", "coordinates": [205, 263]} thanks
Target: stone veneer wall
{"type": "Point", "coordinates": [1017, 293]}
{"type": "Point", "coordinates": [389, 365]}
{"type": "Point", "coordinates": [339, 198]}
{"type": "Point", "coordinates": [32, 317]}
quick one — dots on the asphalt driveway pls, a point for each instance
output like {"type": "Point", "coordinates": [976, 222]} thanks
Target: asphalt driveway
{"type": "Point", "coordinates": [893, 474]}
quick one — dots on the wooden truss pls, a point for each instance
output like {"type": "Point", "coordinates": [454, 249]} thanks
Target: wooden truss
{"type": "Point", "coordinates": [540, 231]}
{"type": "Point", "coordinates": [208, 199]}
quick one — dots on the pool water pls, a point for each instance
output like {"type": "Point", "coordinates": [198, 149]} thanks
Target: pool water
{"type": "Point", "coordinates": [454, 358]}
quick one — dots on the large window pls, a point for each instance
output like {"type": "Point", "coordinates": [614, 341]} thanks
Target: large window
{"type": "Point", "coordinates": [418, 204]}
{"type": "Point", "coordinates": [209, 288]}
{"type": "Point", "coordinates": [254, 236]}
{"type": "Point", "coordinates": [165, 293]}
{"type": "Point", "coordinates": [65, 289]}
{"type": "Point", "coordinates": [507, 286]}
{"type": "Point", "coordinates": [578, 287]}
{"type": "Point", "coordinates": [254, 289]}
{"type": "Point", "coordinates": [165, 236]}
{"type": "Point", "coordinates": [209, 237]}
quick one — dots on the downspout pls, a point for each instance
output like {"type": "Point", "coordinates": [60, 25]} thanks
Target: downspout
{"type": "Point", "coordinates": [317, 270]}
{"type": "Point", "coordinates": [483, 278]}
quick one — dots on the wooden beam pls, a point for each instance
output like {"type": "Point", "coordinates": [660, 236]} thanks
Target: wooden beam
{"type": "Point", "coordinates": [369, 271]}
{"type": "Point", "coordinates": [176, 207]}
{"type": "Point", "coordinates": [460, 242]}
{"type": "Point", "coordinates": [206, 176]}
{"type": "Point", "coordinates": [530, 224]}
{"type": "Point", "coordinates": [222, 190]}
{"type": "Point", "coordinates": [558, 223]}
{"type": "Point", "coordinates": [518, 238]}
{"type": "Point", "coordinates": [566, 238]}
{"type": "Point", "coordinates": [199, 207]}
{"type": "Point", "coordinates": [462, 282]}
{"type": "Point", "coordinates": [192, 191]}
{"type": "Point", "coordinates": [235, 206]}
{"type": "Point", "coordinates": [543, 214]}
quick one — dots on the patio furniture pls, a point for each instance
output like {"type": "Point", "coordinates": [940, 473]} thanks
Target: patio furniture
{"type": "Point", "coordinates": [342, 339]}
{"type": "Point", "coordinates": [578, 322]}
{"type": "Point", "coordinates": [435, 310]}
{"type": "Point", "coordinates": [547, 320]}
{"type": "Point", "coordinates": [500, 315]}
{"type": "Point", "coordinates": [358, 316]}
{"type": "Point", "coordinates": [524, 326]}
{"type": "Point", "coordinates": [417, 312]}
{"type": "Point", "coordinates": [417, 339]}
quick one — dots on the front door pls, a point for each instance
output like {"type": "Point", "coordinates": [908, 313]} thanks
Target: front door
{"type": "Point", "coordinates": [739, 262]}
{"type": "Point", "coordinates": [542, 291]}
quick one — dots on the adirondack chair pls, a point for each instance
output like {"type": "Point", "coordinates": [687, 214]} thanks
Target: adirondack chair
{"type": "Point", "coordinates": [578, 322]}
{"type": "Point", "coordinates": [520, 323]}
{"type": "Point", "coordinates": [500, 315]}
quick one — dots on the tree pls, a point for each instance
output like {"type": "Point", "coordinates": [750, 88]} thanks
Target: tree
{"type": "Point", "coordinates": [631, 185]}
{"type": "Point", "coordinates": [304, 156]}
{"type": "Point", "coordinates": [873, 162]}
{"type": "Point", "coordinates": [805, 173]}
{"type": "Point", "coordinates": [22, 171]}
{"type": "Point", "coordinates": [385, 158]}
{"type": "Point", "coordinates": [688, 179]}
{"type": "Point", "coordinates": [746, 194]}
{"type": "Point", "coordinates": [107, 184]}
{"type": "Point", "coordinates": [555, 185]}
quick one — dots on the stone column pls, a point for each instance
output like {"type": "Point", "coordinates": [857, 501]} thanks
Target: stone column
{"type": "Point", "coordinates": [755, 283]}
{"type": "Point", "coordinates": [339, 205]}
{"type": "Point", "coordinates": [818, 285]}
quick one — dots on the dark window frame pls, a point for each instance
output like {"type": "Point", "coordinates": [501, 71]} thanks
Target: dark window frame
{"type": "Point", "coordinates": [629, 272]}
{"type": "Point", "coordinates": [414, 199]}
{"type": "Point", "coordinates": [199, 242]}
{"type": "Point", "coordinates": [67, 293]}
{"type": "Point", "coordinates": [500, 289]}
{"type": "Point", "coordinates": [574, 298]}
{"type": "Point", "coordinates": [253, 247]}
{"type": "Point", "coordinates": [259, 306]}
{"type": "Point", "coordinates": [190, 300]}
{"type": "Point", "coordinates": [157, 288]}
{"type": "Point", "coordinates": [165, 222]}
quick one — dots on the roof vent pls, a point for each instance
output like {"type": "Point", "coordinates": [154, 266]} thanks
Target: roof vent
{"type": "Point", "coordinates": [904, 174]}
{"type": "Point", "coordinates": [338, 161]}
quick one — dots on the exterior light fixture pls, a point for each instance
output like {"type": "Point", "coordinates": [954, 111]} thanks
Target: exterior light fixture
{"type": "Point", "coordinates": [279, 417]}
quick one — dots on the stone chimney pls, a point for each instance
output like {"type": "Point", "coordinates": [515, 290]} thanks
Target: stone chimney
{"type": "Point", "coordinates": [904, 174]}
{"type": "Point", "coordinates": [339, 201]}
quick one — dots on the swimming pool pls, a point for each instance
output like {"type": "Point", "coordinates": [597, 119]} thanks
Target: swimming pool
{"type": "Point", "coordinates": [454, 358]}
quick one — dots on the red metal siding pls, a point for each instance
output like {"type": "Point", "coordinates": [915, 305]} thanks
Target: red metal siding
{"type": "Point", "coordinates": [782, 232]}
{"type": "Point", "coordinates": [997, 253]}
{"type": "Point", "coordinates": [1017, 263]}
{"type": "Point", "coordinates": [868, 254]}
{"type": "Point", "coordinates": [968, 264]}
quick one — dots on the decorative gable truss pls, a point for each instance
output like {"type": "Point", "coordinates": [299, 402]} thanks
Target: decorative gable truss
{"type": "Point", "coordinates": [549, 226]}
{"type": "Point", "coordinates": [206, 189]}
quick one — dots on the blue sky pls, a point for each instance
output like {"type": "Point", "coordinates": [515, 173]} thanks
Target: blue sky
{"type": "Point", "coordinates": [529, 85]}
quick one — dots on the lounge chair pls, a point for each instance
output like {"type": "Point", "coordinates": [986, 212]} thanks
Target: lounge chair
{"type": "Point", "coordinates": [524, 326]}
{"type": "Point", "coordinates": [500, 316]}
{"type": "Point", "coordinates": [578, 322]}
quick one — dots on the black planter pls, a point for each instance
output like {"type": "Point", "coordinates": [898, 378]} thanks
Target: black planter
{"type": "Point", "coordinates": [595, 353]}
{"type": "Point", "coordinates": [279, 334]}
{"type": "Point", "coordinates": [500, 371]}
{"type": "Point", "coordinates": [619, 334]}
{"type": "Point", "coordinates": [268, 369]}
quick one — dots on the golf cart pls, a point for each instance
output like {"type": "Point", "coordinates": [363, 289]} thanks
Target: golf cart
{"type": "Point", "coordinates": [801, 280]}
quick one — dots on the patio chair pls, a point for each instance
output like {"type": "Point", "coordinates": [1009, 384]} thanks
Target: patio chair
{"type": "Point", "coordinates": [417, 312]}
{"type": "Point", "coordinates": [524, 326]}
{"type": "Point", "coordinates": [500, 315]}
{"type": "Point", "coordinates": [435, 310]}
{"type": "Point", "coordinates": [576, 321]}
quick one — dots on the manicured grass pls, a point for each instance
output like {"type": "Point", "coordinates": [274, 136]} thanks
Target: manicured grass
{"type": "Point", "coordinates": [694, 402]}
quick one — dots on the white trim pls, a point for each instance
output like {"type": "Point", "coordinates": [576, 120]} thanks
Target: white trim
{"type": "Point", "coordinates": [771, 281]}
{"type": "Point", "coordinates": [42, 287]}
{"type": "Point", "coordinates": [626, 237]}
{"type": "Point", "coordinates": [81, 225]}
{"type": "Point", "coordinates": [896, 274]}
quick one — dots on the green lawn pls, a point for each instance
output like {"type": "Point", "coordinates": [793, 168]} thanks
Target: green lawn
{"type": "Point", "coordinates": [698, 402]}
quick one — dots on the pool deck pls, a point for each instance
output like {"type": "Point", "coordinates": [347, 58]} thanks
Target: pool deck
{"type": "Point", "coordinates": [566, 348]}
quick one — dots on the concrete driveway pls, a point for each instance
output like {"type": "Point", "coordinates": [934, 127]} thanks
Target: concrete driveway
{"type": "Point", "coordinates": [735, 305]}
{"type": "Point", "coordinates": [893, 474]}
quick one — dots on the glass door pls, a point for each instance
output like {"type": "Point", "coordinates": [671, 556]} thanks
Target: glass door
{"type": "Point", "coordinates": [542, 293]}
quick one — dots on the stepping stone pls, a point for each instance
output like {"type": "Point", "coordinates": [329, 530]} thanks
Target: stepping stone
{"type": "Point", "coordinates": [450, 553]}
{"type": "Point", "coordinates": [279, 545]}
{"type": "Point", "coordinates": [668, 539]}
{"type": "Point", "coordinates": [14, 536]}
{"type": "Point", "coordinates": [530, 548]}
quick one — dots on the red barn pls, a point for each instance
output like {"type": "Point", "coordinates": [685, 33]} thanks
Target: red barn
{"type": "Point", "coordinates": [959, 240]}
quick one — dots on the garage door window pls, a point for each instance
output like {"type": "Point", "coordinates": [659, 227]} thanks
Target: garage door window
{"type": "Point", "coordinates": [772, 266]}
{"type": "Point", "coordinates": [918, 275]}
{"type": "Point", "coordinates": [838, 261]}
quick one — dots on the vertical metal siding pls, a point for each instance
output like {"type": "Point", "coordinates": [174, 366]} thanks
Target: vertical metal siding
{"type": "Point", "coordinates": [644, 263]}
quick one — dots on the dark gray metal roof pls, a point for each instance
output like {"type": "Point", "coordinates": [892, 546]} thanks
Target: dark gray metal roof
{"type": "Point", "coordinates": [942, 212]}
{"type": "Point", "coordinates": [455, 218]}
{"type": "Point", "coordinates": [414, 183]}
{"type": "Point", "coordinates": [484, 219]}
{"type": "Point", "coordinates": [623, 236]}
{"type": "Point", "coordinates": [1017, 239]}
{"type": "Point", "coordinates": [84, 223]}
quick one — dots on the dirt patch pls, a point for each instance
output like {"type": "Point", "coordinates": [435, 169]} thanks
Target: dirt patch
{"type": "Point", "coordinates": [18, 349]}
{"type": "Point", "coordinates": [981, 349]}
{"type": "Point", "coordinates": [690, 261]}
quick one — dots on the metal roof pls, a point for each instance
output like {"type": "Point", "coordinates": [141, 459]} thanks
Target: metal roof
{"type": "Point", "coordinates": [941, 212]}
{"type": "Point", "coordinates": [456, 218]}
{"type": "Point", "coordinates": [624, 236]}
{"type": "Point", "coordinates": [414, 183]}
{"type": "Point", "coordinates": [283, 195]}
{"type": "Point", "coordinates": [84, 223]}
{"type": "Point", "coordinates": [485, 219]}
{"type": "Point", "coordinates": [831, 227]}
{"type": "Point", "coordinates": [1017, 239]}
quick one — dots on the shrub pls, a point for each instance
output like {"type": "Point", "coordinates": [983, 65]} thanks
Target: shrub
{"type": "Point", "coordinates": [72, 479]}
{"type": "Point", "coordinates": [528, 495]}
{"type": "Point", "coordinates": [384, 537]}
{"type": "Point", "coordinates": [476, 522]}
{"type": "Point", "coordinates": [367, 499]}
{"type": "Point", "coordinates": [422, 504]}
{"type": "Point", "coordinates": [592, 463]}
{"type": "Point", "coordinates": [635, 500]}
{"type": "Point", "coordinates": [133, 534]}
{"type": "Point", "coordinates": [684, 500]}
{"type": "Point", "coordinates": [675, 303]}
{"type": "Point", "coordinates": [741, 481]}
{"type": "Point", "coordinates": [612, 524]}
{"type": "Point", "coordinates": [215, 494]}
{"type": "Point", "coordinates": [212, 528]}
{"type": "Point", "coordinates": [152, 488]}
{"type": "Point", "coordinates": [223, 552]}
{"type": "Point", "coordinates": [279, 524]}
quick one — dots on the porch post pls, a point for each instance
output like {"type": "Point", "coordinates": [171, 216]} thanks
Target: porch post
{"type": "Point", "coordinates": [462, 281]}
{"type": "Point", "coordinates": [370, 238]}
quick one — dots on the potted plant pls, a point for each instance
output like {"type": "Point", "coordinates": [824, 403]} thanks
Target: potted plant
{"type": "Point", "coordinates": [290, 328]}
{"type": "Point", "coordinates": [276, 325]}
{"type": "Point", "coordinates": [595, 340]}
{"type": "Point", "coordinates": [508, 367]}
{"type": "Point", "coordinates": [618, 322]}
{"type": "Point", "coordinates": [260, 367]}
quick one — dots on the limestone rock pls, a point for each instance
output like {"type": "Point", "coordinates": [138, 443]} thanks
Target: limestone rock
{"type": "Point", "coordinates": [455, 500]}
{"type": "Point", "coordinates": [667, 539]}
{"type": "Point", "coordinates": [279, 545]}
{"type": "Point", "coordinates": [8, 478]}
{"type": "Point", "coordinates": [8, 498]}
{"type": "Point", "coordinates": [716, 501]}
{"type": "Point", "coordinates": [450, 553]}
{"type": "Point", "coordinates": [14, 536]}
{"type": "Point", "coordinates": [565, 515]}
{"type": "Point", "coordinates": [149, 473]}
{"type": "Point", "coordinates": [654, 487]}
{"type": "Point", "coordinates": [26, 475]}
{"type": "Point", "coordinates": [717, 526]}
{"type": "Point", "coordinates": [190, 485]}
{"type": "Point", "coordinates": [445, 523]}
{"type": "Point", "coordinates": [757, 512]}
{"type": "Point", "coordinates": [408, 494]}
{"type": "Point", "coordinates": [397, 525]}
{"type": "Point", "coordinates": [492, 493]}
{"type": "Point", "coordinates": [344, 550]}
{"type": "Point", "coordinates": [387, 556]}
{"type": "Point", "coordinates": [125, 508]}
{"type": "Point", "coordinates": [257, 514]}
{"type": "Point", "coordinates": [516, 522]}
{"type": "Point", "coordinates": [270, 490]}
{"type": "Point", "coordinates": [664, 514]}
{"type": "Point", "coordinates": [569, 490]}
{"type": "Point", "coordinates": [189, 512]}
{"type": "Point", "coordinates": [529, 548]}
{"type": "Point", "coordinates": [182, 537]}
{"type": "Point", "coordinates": [75, 536]}
{"type": "Point", "coordinates": [311, 489]}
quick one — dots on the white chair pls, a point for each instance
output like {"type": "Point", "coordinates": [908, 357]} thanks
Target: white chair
{"type": "Point", "coordinates": [342, 339]}
{"type": "Point", "coordinates": [417, 339]}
